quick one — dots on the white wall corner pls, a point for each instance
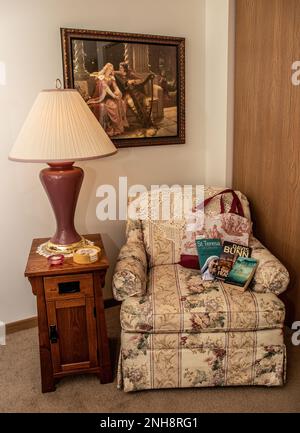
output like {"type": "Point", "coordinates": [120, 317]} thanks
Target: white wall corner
{"type": "Point", "coordinates": [219, 83]}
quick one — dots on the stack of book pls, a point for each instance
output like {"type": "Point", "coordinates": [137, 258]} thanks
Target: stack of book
{"type": "Point", "coordinates": [230, 262]}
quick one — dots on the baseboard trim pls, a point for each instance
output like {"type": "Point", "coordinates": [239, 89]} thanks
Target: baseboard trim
{"type": "Point", "coordinates": [20, 325]}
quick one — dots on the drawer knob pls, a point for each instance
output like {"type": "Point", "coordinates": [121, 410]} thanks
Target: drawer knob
{"type": "Point", "coordinates": [53, 335]}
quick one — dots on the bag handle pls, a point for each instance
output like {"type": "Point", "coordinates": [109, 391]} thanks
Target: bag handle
{"type": "Point", "coordinates": [236, 205]}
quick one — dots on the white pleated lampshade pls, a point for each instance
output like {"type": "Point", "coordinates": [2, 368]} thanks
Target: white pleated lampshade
{"type": "Point", "coordinates": [61, 127]}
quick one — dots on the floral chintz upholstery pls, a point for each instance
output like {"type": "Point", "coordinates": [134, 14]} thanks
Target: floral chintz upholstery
{"type": "Point", "coordinates": [271, 275]}
{"type": "Point", "coordinates": [181, 331]}
{"type": "Point", "coordinates": [130, 274]}
{"type": "Point", "coordinates": [149, 361]}
{"type": "Point", "coordinates": [164, 239]}
{"type": "Point", "coordinates": [177, 300]}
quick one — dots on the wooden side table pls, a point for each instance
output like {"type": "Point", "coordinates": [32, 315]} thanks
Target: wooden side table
{"type": "Point", "coordinates": [72, 329]}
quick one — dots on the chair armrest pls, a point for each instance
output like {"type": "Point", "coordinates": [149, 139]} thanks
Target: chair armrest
{"type": "Point", "coordinates": [130, 276]}
{"type": "Point", "coordinates": [271, 275]}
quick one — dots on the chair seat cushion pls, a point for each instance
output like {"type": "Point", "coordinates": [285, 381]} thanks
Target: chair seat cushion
{"type": "Point", "coordinates": [178, 300]}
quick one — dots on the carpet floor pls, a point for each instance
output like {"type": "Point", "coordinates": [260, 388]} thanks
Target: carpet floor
{"type": "Point", "coordinates": [20, 386]}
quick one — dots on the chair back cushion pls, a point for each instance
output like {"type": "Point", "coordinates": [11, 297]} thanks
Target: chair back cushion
{"type": "Point", "coordinates": [165, 214]}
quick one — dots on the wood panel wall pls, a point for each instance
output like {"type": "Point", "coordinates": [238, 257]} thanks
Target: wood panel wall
{"type": "Point", "coordinates": [267, 129]}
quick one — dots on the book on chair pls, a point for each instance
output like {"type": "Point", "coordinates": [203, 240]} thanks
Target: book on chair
{"type": "Point", "coordinates": [241, 273]}
{"type": "Point", "coordinates": [209, 251]}
{"type": "Point", "coordinates": [230, 252]}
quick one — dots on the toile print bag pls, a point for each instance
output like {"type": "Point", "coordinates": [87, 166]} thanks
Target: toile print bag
{"type": "Point", "coordinates": [229, 226]}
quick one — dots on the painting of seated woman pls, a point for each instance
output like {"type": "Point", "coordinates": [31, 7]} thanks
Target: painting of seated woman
{"type": "Point", "coordinates": [134, 89]}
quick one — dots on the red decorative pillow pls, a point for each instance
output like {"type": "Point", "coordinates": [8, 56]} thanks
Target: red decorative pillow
{"type": "Point", "coordinates": [189, 261]}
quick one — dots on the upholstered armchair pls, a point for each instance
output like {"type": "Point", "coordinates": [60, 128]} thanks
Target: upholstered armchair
{"type": "Point", "coordinates": [181, 331]}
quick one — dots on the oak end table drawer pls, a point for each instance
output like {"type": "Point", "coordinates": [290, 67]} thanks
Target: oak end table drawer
{"type": "Point", "coordinates": [68, 286]}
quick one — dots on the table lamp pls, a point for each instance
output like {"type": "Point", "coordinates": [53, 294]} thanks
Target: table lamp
{"type": "Point", "coordinates": [59, 130]}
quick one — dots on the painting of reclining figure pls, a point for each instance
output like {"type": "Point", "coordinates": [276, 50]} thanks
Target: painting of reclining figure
{"type": "Point", "coordinates": [134, 88]}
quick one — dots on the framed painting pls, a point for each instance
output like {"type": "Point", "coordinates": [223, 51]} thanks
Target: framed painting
{"type": "Point", "coordinates": [134, 84]}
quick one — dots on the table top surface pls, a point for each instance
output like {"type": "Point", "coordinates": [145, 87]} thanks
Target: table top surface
{"type": "Point", "coordinates": [38, 265]}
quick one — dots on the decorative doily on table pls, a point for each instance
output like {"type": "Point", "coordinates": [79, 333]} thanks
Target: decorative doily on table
{"type": "Point", "coordinates": [42, 249]}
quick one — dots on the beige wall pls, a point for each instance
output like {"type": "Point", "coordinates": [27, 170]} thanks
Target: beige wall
{"type": "Point", "coordinates": [31, 54]}
{"type": "Point", "coordinates": [219, 74]}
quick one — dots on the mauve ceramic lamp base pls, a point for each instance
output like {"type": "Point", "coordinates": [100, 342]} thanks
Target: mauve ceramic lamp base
{"type": "Point", "coordinates": [62, 183]}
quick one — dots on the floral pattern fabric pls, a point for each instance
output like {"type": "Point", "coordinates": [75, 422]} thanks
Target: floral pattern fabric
{"type": "Point", "coordinates": [163, 239]}
{"type": "Point", "coordinates": [178, 300]}
{"type": "Point", "coordinates": [271, 275]}
{"type": "Point", "coordinates": [134, 231]}
{"type": "Point", "coordinates": [227, 227]}
{"type": "Point", "coordinates": [130, 274]}
{"type": "Point", "coordinates": [149, 361]}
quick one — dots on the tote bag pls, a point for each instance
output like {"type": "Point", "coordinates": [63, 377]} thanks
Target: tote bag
{"type": "Point", "coordinates": [229, 226]}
